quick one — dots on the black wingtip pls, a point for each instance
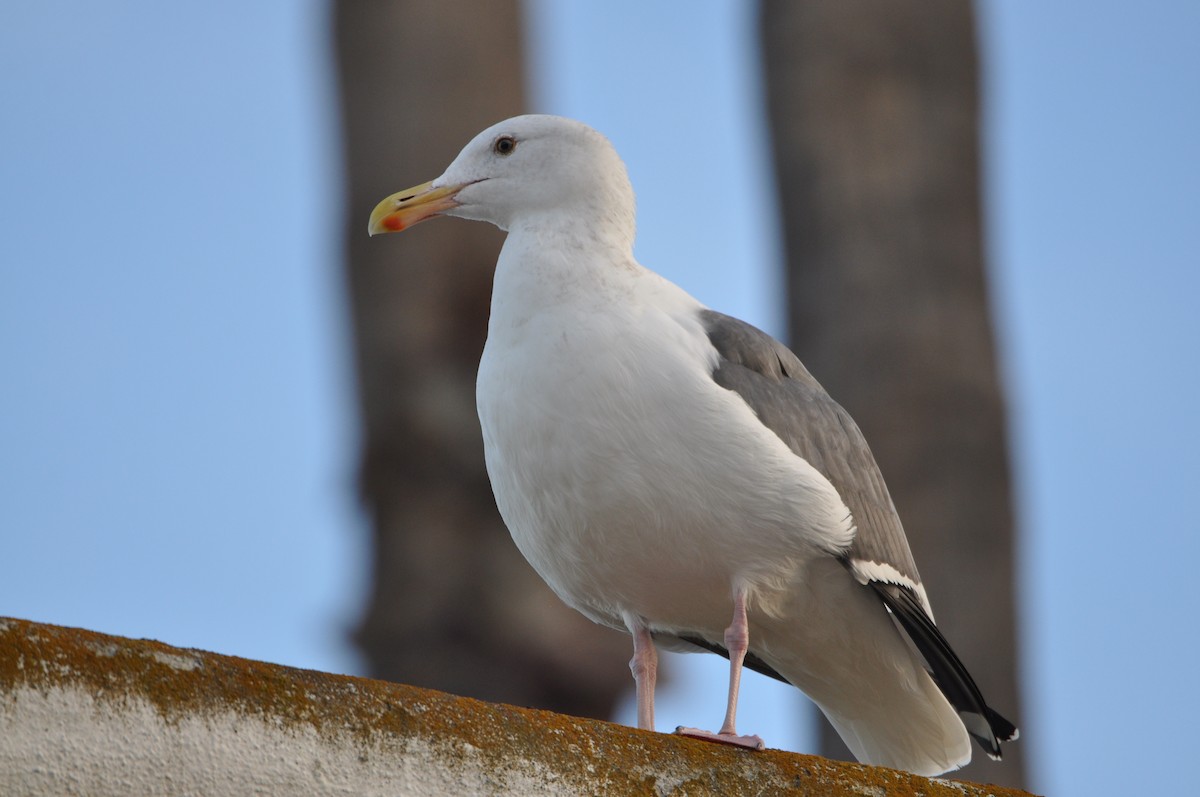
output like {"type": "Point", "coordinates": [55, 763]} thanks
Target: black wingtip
{"type": "Point", "coordinates": [983, 723]}
{"type": "Point", "coordinates": [1005, 731]}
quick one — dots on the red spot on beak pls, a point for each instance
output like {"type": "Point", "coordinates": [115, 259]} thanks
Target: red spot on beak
{"type": "Point", "coordinates": [393, 223]}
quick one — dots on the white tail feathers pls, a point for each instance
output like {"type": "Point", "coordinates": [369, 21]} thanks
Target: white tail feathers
{"type": "Point", "coordinates": [849, 657]}
{"type": "Point", "coordinates": [919, 733]}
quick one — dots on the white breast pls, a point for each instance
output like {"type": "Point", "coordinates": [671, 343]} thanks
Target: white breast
{"type": "Point", "coordinates": [627, 477]}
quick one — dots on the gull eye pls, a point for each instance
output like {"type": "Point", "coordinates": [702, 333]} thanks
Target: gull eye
{"type": "Point", "coordinates": [504, 145]}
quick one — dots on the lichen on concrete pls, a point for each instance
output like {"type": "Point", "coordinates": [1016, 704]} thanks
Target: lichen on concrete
{"type": "Point", "coordinates": [97, 707]}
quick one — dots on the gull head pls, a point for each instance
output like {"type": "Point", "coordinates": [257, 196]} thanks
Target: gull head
{"type": "Point", "coordinates": [529, 171]}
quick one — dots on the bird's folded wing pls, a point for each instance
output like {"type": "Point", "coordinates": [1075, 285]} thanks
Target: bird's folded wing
{"type": "Point", "coordinates": [792, 404]}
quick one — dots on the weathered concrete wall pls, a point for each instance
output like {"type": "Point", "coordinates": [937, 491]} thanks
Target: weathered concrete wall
{"type": "Point", "coordinates": [89, 714]}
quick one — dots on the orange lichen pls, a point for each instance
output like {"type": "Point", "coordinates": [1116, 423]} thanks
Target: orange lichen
{"type": "Point", "coordinates": [381, 718]}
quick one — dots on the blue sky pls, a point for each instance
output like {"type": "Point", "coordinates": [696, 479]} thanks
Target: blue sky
{"type": "Point", "coordinates": [176, 428]}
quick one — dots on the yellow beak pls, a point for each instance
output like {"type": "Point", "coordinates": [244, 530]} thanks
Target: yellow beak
{"type": "Point", "coordinates": [406, 208]}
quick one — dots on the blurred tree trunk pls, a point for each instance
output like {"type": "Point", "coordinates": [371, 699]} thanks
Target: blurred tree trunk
{"type": "Point", "coordinates": [453, 605]}
{"type": "Point", "coordinates": [874, 112]}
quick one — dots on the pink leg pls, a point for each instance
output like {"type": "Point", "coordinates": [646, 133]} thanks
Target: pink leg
{"type": "Point", "coordinates": [644, 665]}
{"type": "Point", "coordinates": [737, 642]}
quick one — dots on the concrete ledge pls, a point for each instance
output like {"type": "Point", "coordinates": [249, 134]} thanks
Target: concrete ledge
{"type": "Point", "coordinates": [85, 713]}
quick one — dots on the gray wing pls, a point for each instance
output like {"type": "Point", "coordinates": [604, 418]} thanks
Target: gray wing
{"type": "Point", "coordinates": [793, 405]}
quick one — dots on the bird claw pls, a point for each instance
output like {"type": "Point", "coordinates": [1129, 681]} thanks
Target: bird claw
{"type": "Point", "coordinates": [751, 742]}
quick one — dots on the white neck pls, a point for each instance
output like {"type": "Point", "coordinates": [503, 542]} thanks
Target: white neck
{"type": "Point", "coordinates": [544, 266]}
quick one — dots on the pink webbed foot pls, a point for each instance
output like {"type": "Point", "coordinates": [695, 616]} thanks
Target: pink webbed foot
{"type": "Point", "coordinates": [737, 642]}
{"type": "Point", "coordinates": [751, 742]}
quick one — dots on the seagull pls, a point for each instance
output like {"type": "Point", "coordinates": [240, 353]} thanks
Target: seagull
{"type": "Point", "coordinates": [678, 474]}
